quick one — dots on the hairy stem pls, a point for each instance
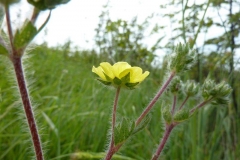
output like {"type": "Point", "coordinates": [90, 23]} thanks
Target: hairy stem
{"type": "Point", "coordinates": [35, 15]}
{"type": "Point", "coordinates": [112, 149]}
{"type": "Point", "coordinates": [167, 133]}
{"type": "Point", "coordinates": [201, 105]}
{"type": "Point", "coordinates": [183, 103]}
{"type": "Point", "coordinates": [154, 100]}
{"type": "Point", "coordinates": [17, 63]}
{"type": "Point", "coordinates": [174, 104]}
{"type": "Point", "coordinates": [9, 27]}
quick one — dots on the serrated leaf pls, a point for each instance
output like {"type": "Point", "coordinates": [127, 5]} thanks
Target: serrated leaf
{"type": "Point", "coordinates": [123, 131]}
{"type": "Point", "coordinates": [142, 124]}
{"type": "Point", "coordinates": [181, 115]}
{"type": "Point", "coordinates": [24, 36]}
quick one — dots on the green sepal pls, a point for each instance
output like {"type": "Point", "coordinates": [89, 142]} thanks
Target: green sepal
{"type": "Point", "coordinates": [104, 82]}
{"type": "Point", "coordinates": [143, 123]}
{"type": "Point", "coordinates": [166, 114]}
{"type": "Point", "coordinates": [126, 78]}
{"type": "Point", "coordinates": [117, 81]}
{"type": "Point", "coordinates": [47, 4]}
{"type": "Point", "coordinates": [181, 115]}
{"type": "Point", "coordinates": [24, 36]}
{"type": "Point", "coordinates": [3, 50]}
{"type": "Point", "coordinates": [221, 101]}
{"type": "Point", "coordinates": [131, 85]}
{"type": "Point", "coordinates": [123, 131]}
{"type": "Point", "coordinates": [107, 77]}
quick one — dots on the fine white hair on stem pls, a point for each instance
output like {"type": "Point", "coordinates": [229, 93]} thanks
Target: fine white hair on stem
{"type": "Point", "coordinates": [17, 102]}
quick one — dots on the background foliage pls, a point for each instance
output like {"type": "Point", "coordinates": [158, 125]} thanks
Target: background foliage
{"type": "Point", "coordinates": [74, 109]}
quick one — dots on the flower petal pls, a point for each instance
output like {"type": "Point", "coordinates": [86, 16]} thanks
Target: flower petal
{"type": "Point", "coordinates": [137, 75]}
{"type": "Point", "coordinates": [143, 76]}
{"type": "Point", "coordinates": [99, 72]}
{"type": "Point", "coordinates": [107, 69]}
{"type": "Point", "coordinates": [119, 67]}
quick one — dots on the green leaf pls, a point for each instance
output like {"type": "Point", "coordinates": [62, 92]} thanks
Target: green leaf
{"type": "Point", "coordinates": [181, 115]}
{"type": "Point", "coordinates": [142, 124]}
{"type": "Point", "coordinates": [24, 36]}
{"type": "Point", "coordinates": [47, 4]}
{"type": "Point", "coordinates": [3, 50]}
{"type": "Point", "coordinates": [123, 131]}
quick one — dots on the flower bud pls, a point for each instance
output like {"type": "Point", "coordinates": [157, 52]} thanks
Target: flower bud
{"type": "Point", "coordinates": [175, 85]}
{"type": "Point", "coordinates": [220, 92]}
{"type": "Point", "coordinates": [166, 114]}
{"type": "Point", "coordinates": [182, 59]}
{"type": "Point", "coordinates": [191, 88]}
{"type": "Point", "coordinates": [181, 115]}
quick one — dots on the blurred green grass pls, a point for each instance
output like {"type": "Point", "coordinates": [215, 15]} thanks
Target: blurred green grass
{"type": "Point", "coordinates": [73, 113]}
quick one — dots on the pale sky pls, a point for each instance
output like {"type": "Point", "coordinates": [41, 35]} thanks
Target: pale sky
{"type": "Point", "coordinates": [76, 20]}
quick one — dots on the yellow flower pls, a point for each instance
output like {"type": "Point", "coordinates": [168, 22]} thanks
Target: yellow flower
{"type": "Point", "coordinates": [121, 74]}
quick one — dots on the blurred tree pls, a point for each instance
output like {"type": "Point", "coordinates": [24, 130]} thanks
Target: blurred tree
{"type": "Point", "coordinates": [216, 53]}
{"type": "Point", "coordinates": [194, 22]}
{"type": "Point", "coordinates": [123, 41]}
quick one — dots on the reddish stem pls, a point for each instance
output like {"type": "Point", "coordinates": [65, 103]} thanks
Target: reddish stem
{"type": "Point", "coordinates": [112, 148]}
{"type": "Point", "coordinates": [183, 103]}
{"type": "Point", "coordinates": [163, 141]}
{"type": "Point", "coordinates": [174, 104]}
{"type": "Point", "coordinates": [17, 63]}
{"type": "Point", "coordinates": [35, 15]}
{"type": "Point", "coordinates": [154, 100]}
{"type": "Point", "coordinates": [9, 27]}
{"type": "Point", "coordinates": [201, 105]}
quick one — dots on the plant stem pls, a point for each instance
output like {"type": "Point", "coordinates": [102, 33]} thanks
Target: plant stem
{"type": "Point", "coordinates": [112, 149]}
{"type": "Point", "coordinates": [200, 105]}
{"type": "Point", "coordinates": [163, 141]}
{"type": "Point", "coordinates": [154, 100]}
{"type": "Point", "coordinates": [17, 63]}
{"type": "Point", "coordinates": [174, 104]}
{"type": "Point", "coordinates": [184, 8]}
{"type": "Point", "coordinates": [9, 27]}
{"type": "Point", "coordinates": [16, 59]}
{"type": "Point", "coordinates": [35, 15]}
{"type": "Point", "coordinates": [183, 103]}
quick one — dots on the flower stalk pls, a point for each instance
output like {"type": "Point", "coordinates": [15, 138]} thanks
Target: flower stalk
{"type": "Point", "coordinates": [154, 100]}
{"type": "Point", "coordinates": [112, 149]}
{"type": "Point", "coordinates": [201, 105]}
